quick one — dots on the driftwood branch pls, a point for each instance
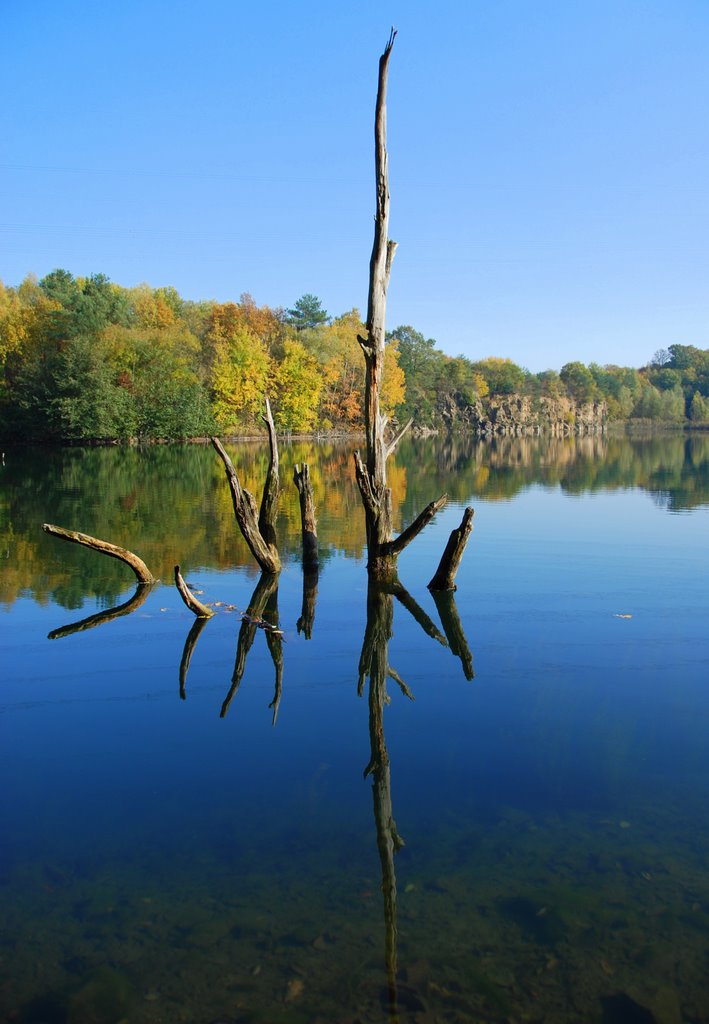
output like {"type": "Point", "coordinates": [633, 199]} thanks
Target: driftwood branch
{"type": "Point", "coordinates": [414, 529]}
{"type": "Point", "coordinates": [262, 548]}
{"type": "Point", "coordinates": [134, 602]}
{"type": "Point", "coordinates": [195, 606]}
{"type": "Point", "coordinates": [309, 529]}
{"type": "Point", "coordinates": [138, 566]}
{"type": "Point", "coordinates": [444, 577]}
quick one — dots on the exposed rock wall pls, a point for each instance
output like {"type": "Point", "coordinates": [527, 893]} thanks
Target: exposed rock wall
{"type": "Point", "coordinates": [522, 415]}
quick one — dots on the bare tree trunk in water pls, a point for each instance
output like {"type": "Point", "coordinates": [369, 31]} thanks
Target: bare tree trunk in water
{"type": "Point", "coordinates": [444, 577]}
{"type": "Point", "coordinates": [301, 479]}
{"type": "Point", "coordinates": [382, 549]}
{"type": "Point", "coordinates": [257, 527]}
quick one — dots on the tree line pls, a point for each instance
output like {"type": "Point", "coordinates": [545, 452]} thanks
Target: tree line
{"type": "Point", "coordinates": [87, 359]}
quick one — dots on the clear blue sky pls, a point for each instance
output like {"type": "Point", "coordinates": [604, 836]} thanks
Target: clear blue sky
{"type": "Point", "coordinates": [549, 161]}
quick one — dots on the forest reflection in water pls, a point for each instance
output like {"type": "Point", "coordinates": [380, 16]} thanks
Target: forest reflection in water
{"type": "Point", "coordinates": [170, 504]}
{"type": "Point", "coordinates": [178, 866]}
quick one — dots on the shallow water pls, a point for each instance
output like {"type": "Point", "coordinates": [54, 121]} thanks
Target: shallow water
{"type": "Point", "coordinates": [163, 863]}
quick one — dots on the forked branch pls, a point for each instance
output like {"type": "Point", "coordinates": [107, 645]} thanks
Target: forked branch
{"type": "Point", "coordinates": [261, 544]}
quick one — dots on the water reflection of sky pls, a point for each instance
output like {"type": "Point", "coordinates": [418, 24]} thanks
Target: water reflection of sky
{"type": "Point", "coordinates": [514, 783]}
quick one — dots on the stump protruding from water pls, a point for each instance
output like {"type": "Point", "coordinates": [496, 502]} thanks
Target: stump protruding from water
{"type": "Point", "coordinates": [103, 547]}
{"type": "Point", "coordinates": [195, 606]}
{"type": "Point", "coordinates": [257, 526]}
{"type": "Point", "coordinates": [444, 577]}
{"type": "Point", "coordinates": [301, 479]}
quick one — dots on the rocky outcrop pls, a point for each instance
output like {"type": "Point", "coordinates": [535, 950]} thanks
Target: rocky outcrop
{"type": "Point", "coordinates": [523, 415]}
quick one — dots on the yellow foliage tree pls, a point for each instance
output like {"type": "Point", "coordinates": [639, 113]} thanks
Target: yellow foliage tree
{"type": "Point", "coordinates": [239, 377]}
{"type": "Point", "coordinates": [393, 391]}
{"type": "Point", "coordinates": [298, 382]}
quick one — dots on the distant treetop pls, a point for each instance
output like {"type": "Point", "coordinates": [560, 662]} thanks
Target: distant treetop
{"type": "Point", "coordinates": [307, 313]}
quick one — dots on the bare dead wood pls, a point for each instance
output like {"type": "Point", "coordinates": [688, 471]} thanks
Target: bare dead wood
{"type": "Point", "coordinates": [453, 628]}
{"type": "Point", "coordinates": [309, 530]}
{"type": "Point", "coordinates": [271, 487]}
{"type": "Point", "coordinates": [263, 548]}
{"type": "Point", "coordinates": [414, 529]}
{"type": "Point", "coordinates": [137, 564]}
{"type": "Point", "coordinates": [391, 447]}
{"type": "Point", "coordinates": [371, 478]}
{"type": "Point", "coordinates": [195, 606]}
{"type": "Point", "coordinates": [444, 577]}
{"type": "Point", "coordinates": [187, 652]}
{"type": "Point", "coordinates": [91, 621]}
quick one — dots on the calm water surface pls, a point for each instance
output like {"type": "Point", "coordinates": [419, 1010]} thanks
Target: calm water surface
{"type": "Point", "coordinates": [188, 834]}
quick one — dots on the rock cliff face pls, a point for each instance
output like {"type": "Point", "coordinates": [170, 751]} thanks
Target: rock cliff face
{"type": "Point", "coordinates": [521, 415]}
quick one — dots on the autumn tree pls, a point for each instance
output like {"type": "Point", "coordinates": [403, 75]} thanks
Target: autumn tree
{"type": "Point", "coordinates": [297, 386]}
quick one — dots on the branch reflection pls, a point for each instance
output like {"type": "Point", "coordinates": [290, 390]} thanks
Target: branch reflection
{"type": "Point", "coordinates": [262, 613]}
{"type": "Point", "coordinates": [187, 652]}
{"type": "Point", "coordinates": [98, 619]}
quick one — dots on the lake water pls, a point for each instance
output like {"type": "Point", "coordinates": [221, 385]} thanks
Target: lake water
{"type": "Point", "coordinates": [188, 834]}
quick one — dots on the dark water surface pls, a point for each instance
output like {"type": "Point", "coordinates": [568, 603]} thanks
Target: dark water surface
{"type": "Point", "coordinates": [170, 853]}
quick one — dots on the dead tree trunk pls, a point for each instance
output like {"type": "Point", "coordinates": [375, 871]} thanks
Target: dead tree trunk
{"type": "Point", "coordinates": [382, 549]}
{"type": "Point", "coordinates": [257, 527]}
{"type": "Point", "coordinates": [444, 577]}
{"type": "Point", "coordinates": [301, 479]}
{"type": "Point", "coordinates": [138, 566]}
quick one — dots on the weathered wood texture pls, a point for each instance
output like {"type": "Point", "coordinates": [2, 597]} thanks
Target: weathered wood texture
{"type": "Point", "coordinates": [444, 577]}
{"type": "Point", "coordinates": [382, 550]}
{"type": "Point", "coordinates": [138, 566]}
{"type": "Point", "coordinates": [309, 529]}
{"type": "Point", "coordinates": [257, 527]}
{"type": "Point", "coordinates": [195, 606]}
